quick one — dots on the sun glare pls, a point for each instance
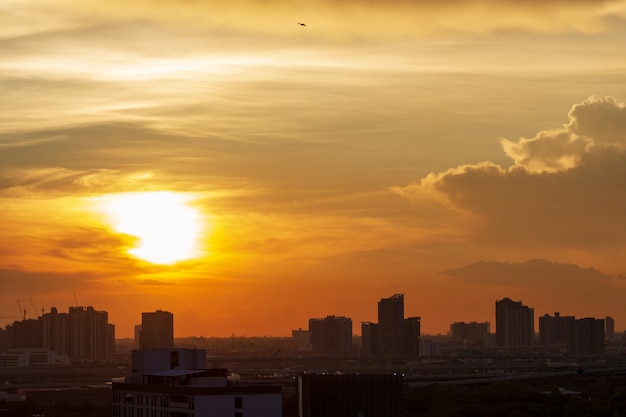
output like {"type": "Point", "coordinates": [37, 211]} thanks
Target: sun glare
{"type": "Point", "coordinates": [167, 227]}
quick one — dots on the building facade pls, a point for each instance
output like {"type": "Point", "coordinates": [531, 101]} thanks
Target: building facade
{"type": "Point", "coordinates": [355, 395]}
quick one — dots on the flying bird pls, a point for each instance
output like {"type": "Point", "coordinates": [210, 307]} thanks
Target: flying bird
{"type": "Point", "coordinates": [302, 24]}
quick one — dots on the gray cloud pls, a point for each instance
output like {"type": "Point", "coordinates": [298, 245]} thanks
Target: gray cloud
{"type": "Point", "coordinates": [536, 273]}
{"type": "Point", "coordinates": [579, 205]}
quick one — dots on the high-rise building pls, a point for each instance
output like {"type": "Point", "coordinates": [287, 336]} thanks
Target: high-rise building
{"type": "Point", "coordinates": [393, 336]}
{"type": "Point", "coordinates": [515, 323]}
{"type": "Point", "coordinates": [332, 334]}
{"type": "Point", "coordinates": [411, 342]}
{"type": "Point", "coordinates": [89, 333]}
{"type": "Point", "coordinates": [553, 330]}
{"type": "Point", "coordinates": [56, 332]}
{"type": "Point", "coordinates": [586, 337]}
{"type": "Point", "coordinates": [157, 330]}
{"type": "Point", "coordinates": [391, 322]}
{"type": "Point", "coordinates": [370, 339]}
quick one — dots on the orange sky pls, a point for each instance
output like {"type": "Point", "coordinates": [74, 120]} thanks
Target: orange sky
{"type": "Point", "coordinates": [457, 152]}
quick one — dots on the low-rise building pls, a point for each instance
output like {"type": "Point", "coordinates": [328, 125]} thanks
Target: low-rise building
{"type": "Point", "coordinates": [164, 383]}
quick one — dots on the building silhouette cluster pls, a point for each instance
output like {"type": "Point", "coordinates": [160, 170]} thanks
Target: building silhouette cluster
{"type": "Point", "coordinates": [394, 336]}
{"type": "Point", "coordinates": [583, 337]}
{"type": "Point", "coordinates": [83, 334]}
{"type": "Point", "coordinates": [515, 327]}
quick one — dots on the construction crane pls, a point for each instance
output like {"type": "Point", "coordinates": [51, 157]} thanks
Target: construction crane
{"type": "Point", "coordinates": [20, 306]}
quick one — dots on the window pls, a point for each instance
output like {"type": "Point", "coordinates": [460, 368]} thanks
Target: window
{"type": "Point", "coordinates": [238, 403]}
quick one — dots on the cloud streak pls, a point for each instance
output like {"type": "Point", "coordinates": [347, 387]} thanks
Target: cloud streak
{"type": "Point", "coordinates": [327, 19]}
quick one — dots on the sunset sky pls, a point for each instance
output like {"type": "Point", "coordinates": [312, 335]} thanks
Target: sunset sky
{"type": "Point", "coordinates": [219, 160]}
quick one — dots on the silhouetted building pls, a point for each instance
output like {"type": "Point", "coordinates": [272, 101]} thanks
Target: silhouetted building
{"type": "Point", "coordinates": [370, 339]}
{"type": "Point", "coordinates": [586, 337]}
{"type": "Point", "coordinates": [349, 395]}
{"type": "Point", "coordinates": [27, 334]}
{"type": "Point", "coordinates": [301, 339]}
{"type": "Point", "coordinates": [472, 333]}
{"type": "Point", "coordinates": [411, 342]}
{"type": "Point", "coordinates": [553, 330]}
{"type": "Point", "coordinates": [56, 332]}
{"type": "Point", "coordinates": [609, 327]}
{"type": "Point", "coordinates": [393, 336]}
{"type": "Point", "coordinates": [157, 330]}
{"type": "Point", "coordinates": [83, 334]}
{"type": "Point", "coordinates": [175, 382]}
{"type": "Point", "coordinates": [515, 323]}
{"type": "Point", "coordinates": [332, 334]}
{"type": "Point", "coordinates": [391, 322]}
{"type": "Point", "coordinates": [89, 334]}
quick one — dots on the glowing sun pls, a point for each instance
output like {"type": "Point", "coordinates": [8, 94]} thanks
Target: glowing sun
{"type": "Point", "coordinates": [167, 227]}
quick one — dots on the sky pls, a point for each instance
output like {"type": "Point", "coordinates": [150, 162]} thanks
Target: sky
{"type": "Point", "coordinates": [221, 161]}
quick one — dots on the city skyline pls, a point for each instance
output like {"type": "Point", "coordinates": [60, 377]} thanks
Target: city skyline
{"type": "Point", "coordinates": [162, 332]}
{"type": "Point", "coordinates": [248, 165]}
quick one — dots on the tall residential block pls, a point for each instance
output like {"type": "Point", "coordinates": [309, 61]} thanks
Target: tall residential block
{"type": "Point", "coordinates": [157, 330]}
{"type": "Point", "coordinates": [515, 323]}
{"type": "Point", "coordinates": [89, 334]}
{"type": "Point", "coordinates": [391, 321]}
{"type": "Point", "coordinates": [393, 336]}
{"type": "Point", "coordinates": [553, 330]}
{"type": "Point", "coordinates": [586, 337]}
{"type": "Point", "coordinates": [332, 334]}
